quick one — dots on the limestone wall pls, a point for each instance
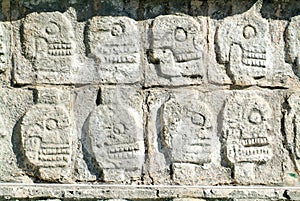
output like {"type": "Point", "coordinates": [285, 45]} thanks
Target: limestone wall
{"type": "Point", "coordinates": [142, 100]}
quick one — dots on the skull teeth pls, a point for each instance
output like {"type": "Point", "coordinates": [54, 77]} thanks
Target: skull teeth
{"type": "Point", "coordinates": [60, 52]}
{"type": "Point", "coordinates": [205, 142]}
{"type": "Point", "coordinates": [255, 141]}
{"type": "Point", "coordinates": [250, 154]}
{"type": "Point", "coordinates": [54, 160]}
{"type": "Point", "coordinates": [59, 49]}
{"type": "Point", "coordinates": [123, 155]}
{"type": "Point", "coordinates": [53, 46]}
{"type": "Point", "coordinates": [253, 151]}
{"type": "Point", "coordinates": [254, 62]}
{"type": "Point", "coordinates": [54, 151]}
{"type": "Point", "coordinates": [187, 57]}
{"type": "Point", "coordinates": [124, 148]}
{"type": "Point", "coordinates": [254, 57]}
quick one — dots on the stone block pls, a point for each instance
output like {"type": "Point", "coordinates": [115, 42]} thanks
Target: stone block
{"type": "Point", "coordinates": [177, 52]}
{"type": "Point", "coordinates": [114, 44]}
{"type": "Point", "coordinates": [114, 135]}
{"type": "Point", "coordinates": [243, 45]}
{"type": "Point", "coordinates": [183, 134]}
{"type": "Point", "coordinates": [252, 136]}
{"type": "Point", "coordinates": [48, 48]}
{"type": "Point", "coordinates": [47, 133]}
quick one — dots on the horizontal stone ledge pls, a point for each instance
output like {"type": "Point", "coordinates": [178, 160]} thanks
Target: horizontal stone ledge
{"type": "Point", "coordinates": [11, 191]}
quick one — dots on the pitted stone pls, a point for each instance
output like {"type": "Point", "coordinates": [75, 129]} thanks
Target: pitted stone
{"type": "Point", "coordinates": [243, 44]}
{"type": "Point", "coordinates": [178, 51]}
{"type": "Point", "coordinates": [114, 44]}
{"type": "Point", "coordinates": [115, 138]}
{"type": "Point", "coordinates": [49, 46]}
{"type": "Point", "coordinates": [46, 137]}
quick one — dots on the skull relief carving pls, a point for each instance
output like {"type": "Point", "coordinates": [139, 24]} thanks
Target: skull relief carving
{"type": "Point", "coordinates": [116, 142]}
{"type": "Point", "coordinates": [114, 44]}
{"type": "Point", "coordinates": [178, 46]}
{"type": "Point", "coordinates": [247, 129]}
{"type": "Point", "coordinates": [46, 139]}
{"type": "Point", "coordinates": [243, 44]}
{"type": "Point", "coordinates": [187, 131]}
{"type": "Point", "coordinates": [49, 44]}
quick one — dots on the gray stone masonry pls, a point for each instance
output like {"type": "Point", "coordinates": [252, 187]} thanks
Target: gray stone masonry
{"type": "Point", "coordinates": [192, 100]}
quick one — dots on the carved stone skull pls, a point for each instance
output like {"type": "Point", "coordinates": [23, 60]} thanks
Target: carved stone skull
{"type": "Point", "coordinates": [187, 131]}
{"type": "Point", "coordinates": [247, 129]}
{"type": "Point", "coordinates": [48, 41]}
{"type": "Point", "coordinates": [177, 45]}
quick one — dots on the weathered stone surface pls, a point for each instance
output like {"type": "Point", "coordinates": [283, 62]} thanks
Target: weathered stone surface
{"type": "Point", "coordinates": [292, 43]}
{"type": "Point", "coordinates": [46, 135]}
{"type": "Point", "coordinates": [182, 136]}
{"type": "Point", "coordinates": [114, 44]}
{"type": "Point", "coordinates": [292, 127]}
{"type": "Point", "coordinates": [244, 46]}
{"type": "Point", "coordinates": [14, 103]}
{"type": "Point", "coordinates": [149, 100]}
{"type": "Point", "coordinates": [48, 46]}
{"type": "Point", "coordinates": [152, 192]}
{"type": "Point", "coordinates": [178, 50]}
{"type": "Point", "coordinates": [252, 139]}
{"type": "Point", "coordinates": [115, 137]}
{"type": "Point", "coordinates": [4, 48]}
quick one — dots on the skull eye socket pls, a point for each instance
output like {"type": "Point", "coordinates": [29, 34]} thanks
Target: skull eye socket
{"type": "Point", "coordinates": [52, 28]}
{"type": "Point", "coordinates": [198, 119]}
{"type": "Point", "coordinates": [180, 34]}
{"type": "Point", "coordinates": [116, 30]}
{"type": "Point", "coordinates": [255, 117]}
{"type": "Point", "coordinates": [51, 124]}
{"type": "Point", "coordinates": [249, 32]}
{"type": "Point", "coordinates": [119, 129]}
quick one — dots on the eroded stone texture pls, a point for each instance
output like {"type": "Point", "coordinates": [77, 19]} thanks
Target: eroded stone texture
{"type": "Point", "coordinates": [114, 44]}
{"type": "Point", "coordinates": [292, 123]}
{"type": "Point", "coordinates": [46, 135]}
{"type": "Point", "coordinates": [48, 45]}
{"type": "Point", "coordinates": [187, 130]}
{"type": "Point", "coordinates": [182, 136]}
{"type": "Point", "coordinates": [115, 138]}
{"type": "Point", "coordinates": [293, 43]}
{"type": "Point", "coordinates": [4, 48]}
{"type": "Point", "coordinates": [178, 45]}
{"type": "Point", "coordinates": [14, 103]}
{"type": "Point", "coordinates": [250, 136]}
{"type": "Point", "coordinates": [150, 96]}
{"type": "Point", "coordinates": [243, 44]}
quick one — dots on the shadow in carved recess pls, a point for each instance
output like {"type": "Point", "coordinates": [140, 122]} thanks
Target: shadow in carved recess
{"type": "Point", "coordinates": [19, 151]}
{"type": "Point", "coordinates": [292, 40]}
{"type": "Point", "coordinates": [291, 128]}
{"type": "Point", "coordinates": [91, 162]}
